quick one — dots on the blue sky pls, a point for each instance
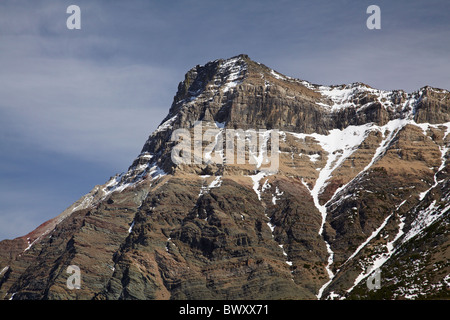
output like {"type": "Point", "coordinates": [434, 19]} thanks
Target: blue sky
{"type": "Point", "coordinates": [76, 106]}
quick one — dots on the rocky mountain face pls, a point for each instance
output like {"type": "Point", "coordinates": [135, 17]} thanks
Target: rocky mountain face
{"type": "Point", "coordinates": [359, 191]}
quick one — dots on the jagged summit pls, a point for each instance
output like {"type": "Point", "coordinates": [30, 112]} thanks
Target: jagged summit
{"type": "Point", "coordinates": [240, 93]}
{"type": "Point", "coordinates": [361, 184]}
{"type": "Point", "coordinates": [219, 83]}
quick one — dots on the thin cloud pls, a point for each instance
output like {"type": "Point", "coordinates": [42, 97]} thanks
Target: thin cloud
{"type": "Point", "coordinates": [85, 110]}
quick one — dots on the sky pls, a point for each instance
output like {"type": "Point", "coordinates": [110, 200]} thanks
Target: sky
{"type": "Point", "coordinates": [76, 106]}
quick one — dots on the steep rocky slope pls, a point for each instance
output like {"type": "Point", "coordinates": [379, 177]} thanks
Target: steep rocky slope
{"type": "Point", "coordinates": [357, 182]}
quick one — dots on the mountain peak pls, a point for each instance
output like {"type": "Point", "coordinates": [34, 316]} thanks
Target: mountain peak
{"type": "Point", "coordinates": [240, 93]}
{"type": "Point", "coordinates": [361, 182]}
{"type": "Point", "coordinates": [217, 74]}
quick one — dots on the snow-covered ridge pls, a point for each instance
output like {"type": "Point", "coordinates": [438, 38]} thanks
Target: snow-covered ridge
{"type": "Point", "coordinates": [166, 125]}
{"type": "Point", "coordinates": [339, 97]}
{"type": "Point", "coordinates": [229, 74]}
{"type": "Point", "coordinates": [343, 96]}
{"type": "Point", "coordinates": [145, 168]}
{"type": "Point", "coordinates": [336, 98]}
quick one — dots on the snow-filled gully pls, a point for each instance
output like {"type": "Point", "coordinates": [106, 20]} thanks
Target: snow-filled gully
{"type": "Point", "coordinates": [258, 190]}
{"type": "Point", "coordinates": [339, 145]}
{"type": "Point", "coordinates": [393, 127]}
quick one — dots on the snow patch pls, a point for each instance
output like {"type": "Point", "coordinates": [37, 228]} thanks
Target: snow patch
{"type": "Point", "coordinates": [277, 195]}
{"type": "Point", "coordinates": [256, 179]}
{"type": "Point", "coordinates": [166, 125]}
{"type": "Point", "coordinates": [341, 96]}
{"type": "Point", "coordinates": [216, 183]}
{"type": "Point", "coordinates": [3, 271]}
{"type": "Point", "coordinates": [424, 219]}
{"type": "Point", "coordinates": [314, 157]}
{"type": "Point", "coordinates": [373, 235]}
{"type": "Point", "coordinates": [277, 75]}
{"type": "Point", "coordinates": [131, 227]}
{"type": "Point", "coordinates": [233, 72]}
